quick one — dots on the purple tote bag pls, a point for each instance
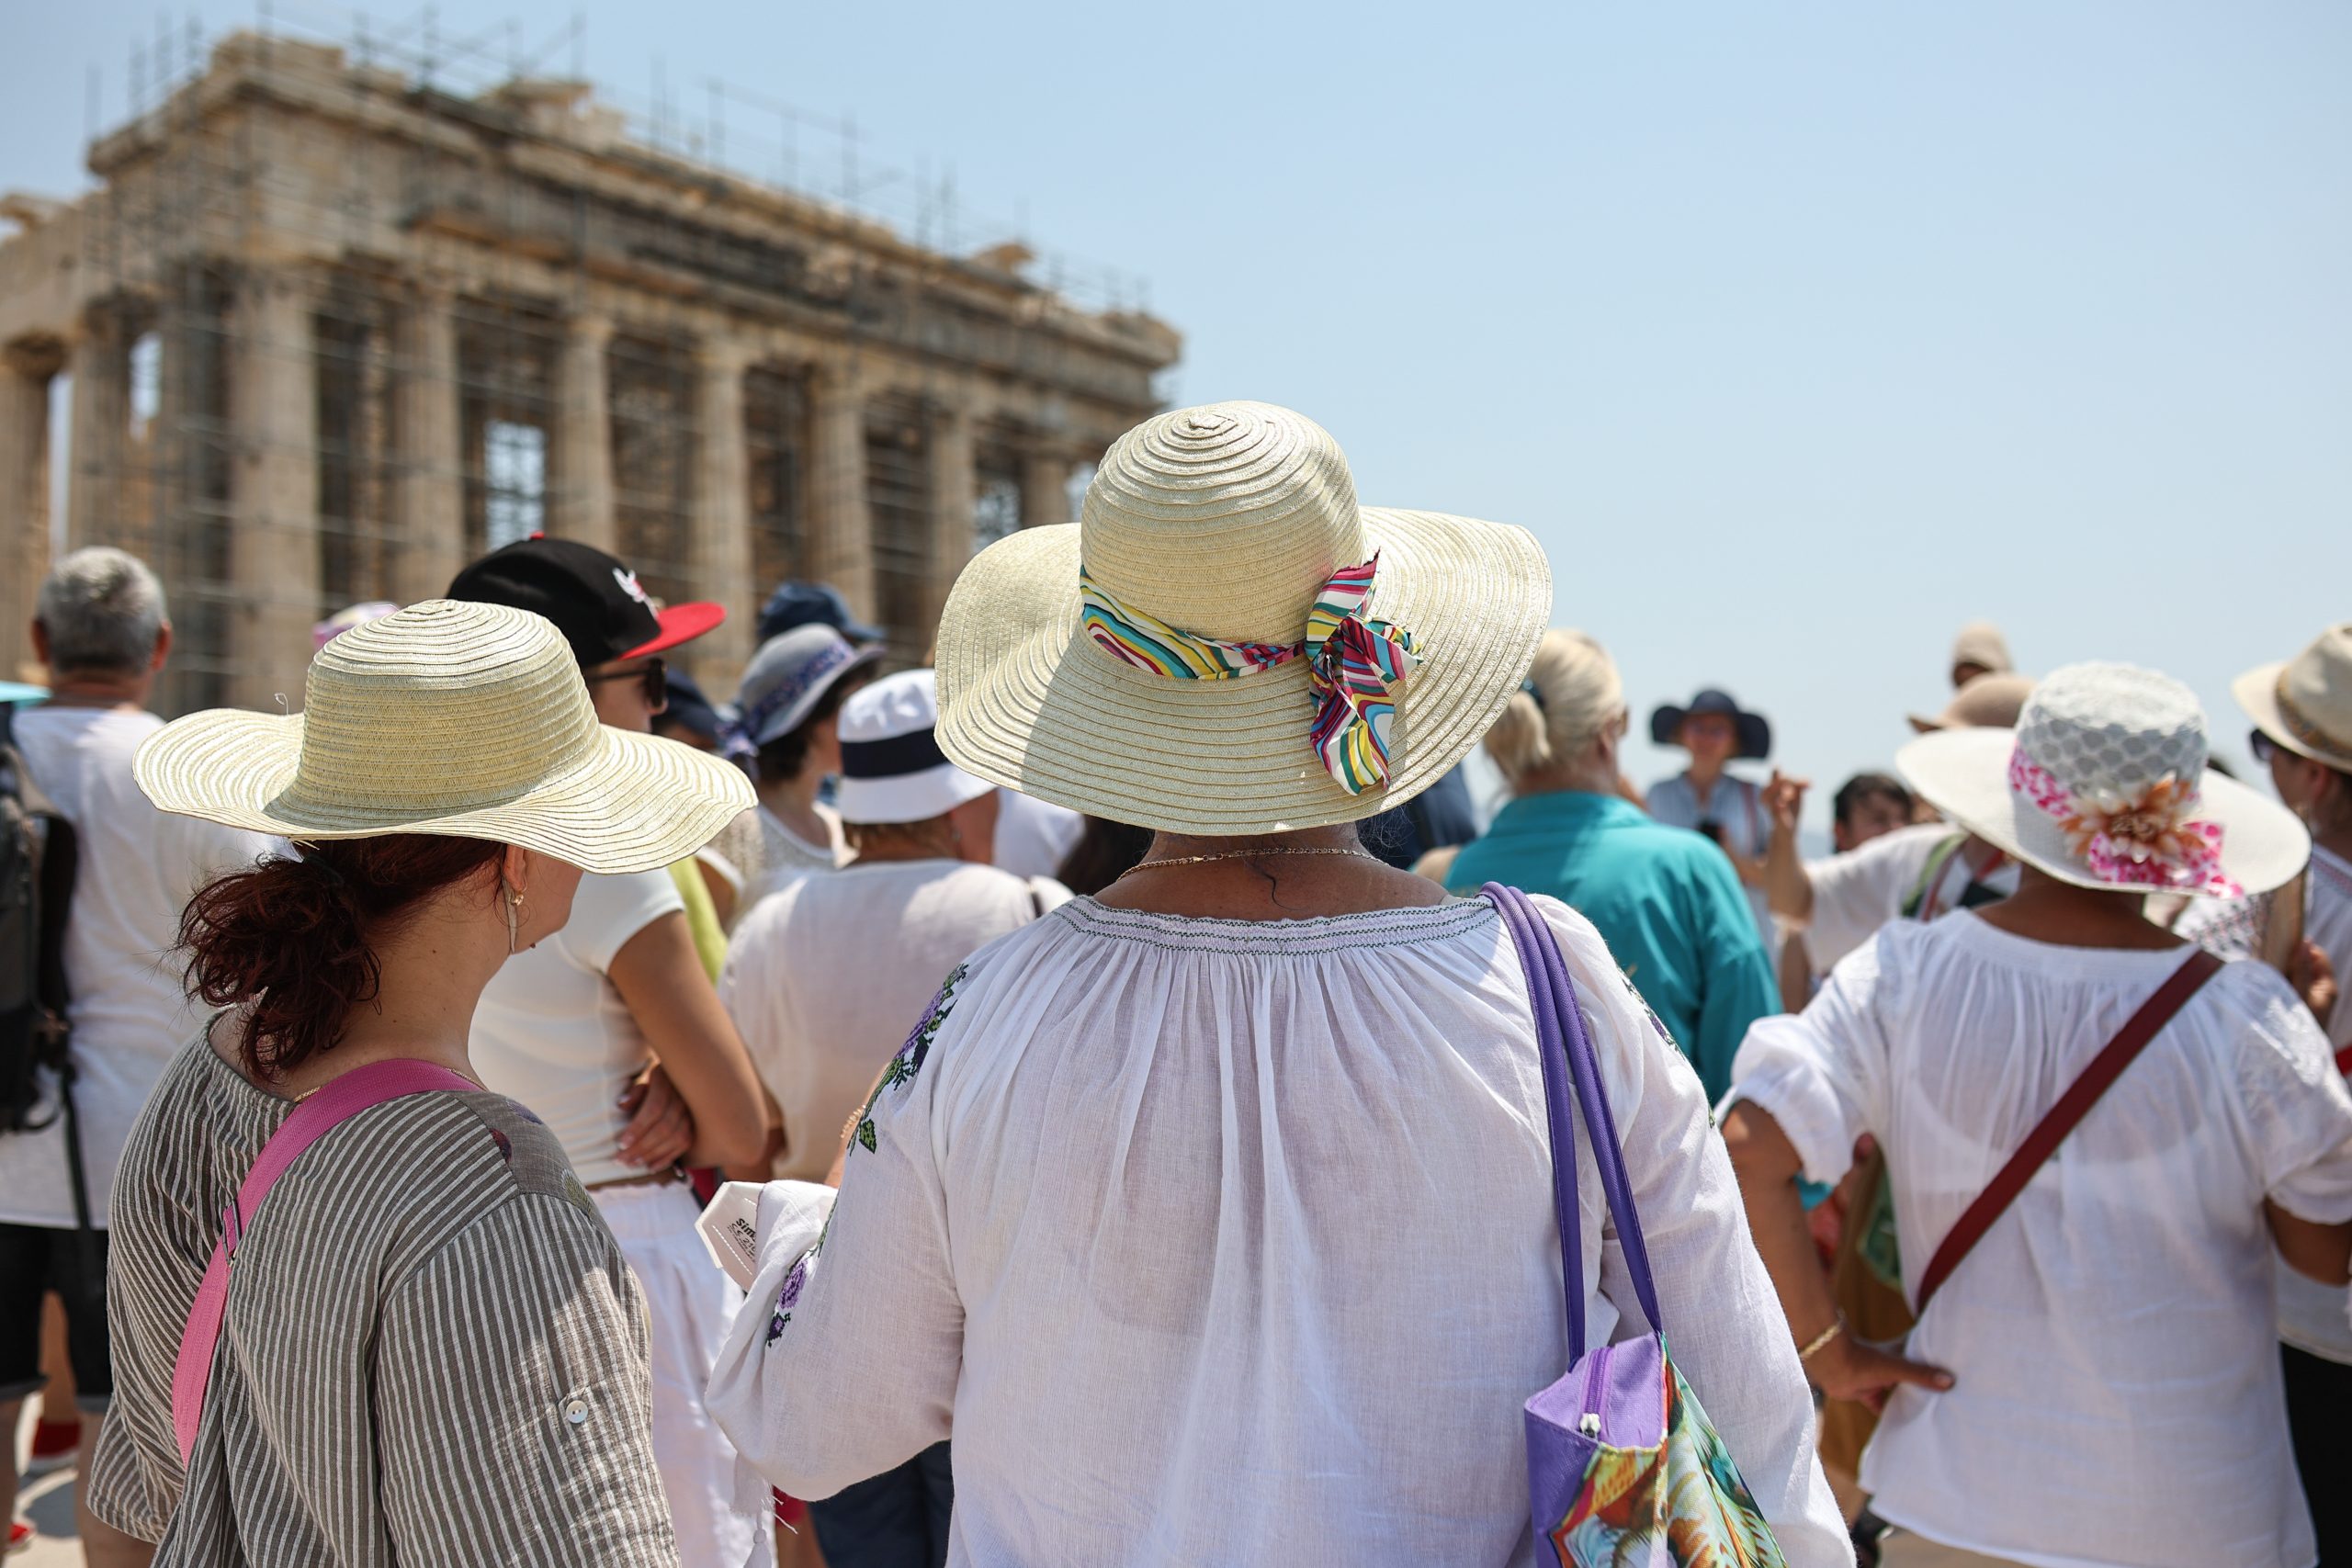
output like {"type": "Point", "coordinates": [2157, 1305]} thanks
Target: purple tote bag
{"type": "Point", "coordinates": [1623, 1469]}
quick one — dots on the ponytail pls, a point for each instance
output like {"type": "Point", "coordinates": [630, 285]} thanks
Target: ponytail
{"type": "Point", "coordinates": [1572, 692]}
{"type": "Point", "coordinates": [289, 940]}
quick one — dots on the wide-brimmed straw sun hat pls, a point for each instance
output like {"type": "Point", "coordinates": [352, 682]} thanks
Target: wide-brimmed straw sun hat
{"type": "Point", "coordinates": [458, 718]}
{"type": "Point", "coordinates": [2103, 784]}
{"type": "Point", "coordinates": [2305, 703]}
{"type": "Point", "coordinates": [1226, 643]}
{"type": "Point", "coordinates": [1986, 702]}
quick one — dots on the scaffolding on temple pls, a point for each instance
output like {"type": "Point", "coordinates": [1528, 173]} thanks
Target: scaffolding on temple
{"type": "Point", "coordinates": [353, 303]}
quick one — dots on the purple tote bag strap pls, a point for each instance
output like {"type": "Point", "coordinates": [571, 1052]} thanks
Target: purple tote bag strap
{"type": "Point", "coordinates": [331, 1106]}
{"type": "Point", "coordinates": [1566, 1050]}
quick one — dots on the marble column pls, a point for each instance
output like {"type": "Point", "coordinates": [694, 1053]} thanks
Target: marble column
{"type": "Point", "coordinates": [955, 489]}
{"type": "Point", "coordinates": [582, 504]}
{"type": "Point", "coordinates": [428, 474]}
{"type": "Point", "coordinates": [840, 518]}
{"type": "Point", "coordinates": [273, 491]}
{"type": "Point", "coordinates": [719, 527]}
{"type": "Point", "coordinates": [1045, 488]}
{"type": "Point", "coordinates": [99, 433]}
{"type": "Point", "coordinates": [25, 371]}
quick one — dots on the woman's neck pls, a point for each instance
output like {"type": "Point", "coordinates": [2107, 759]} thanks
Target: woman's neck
{"type": "Point", "coordinates": [1267, 876]}
{"type": "Point", "coordinates": [793, 804]}
{"type": "Point", "coordinates": [2048, 911]}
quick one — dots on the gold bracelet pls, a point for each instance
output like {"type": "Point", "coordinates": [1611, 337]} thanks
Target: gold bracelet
{"type": "Point", "coordinates": [1821, 1340]}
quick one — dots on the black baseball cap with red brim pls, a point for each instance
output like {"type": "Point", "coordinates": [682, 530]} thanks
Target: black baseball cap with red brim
{"type": "Point", "coordinates": [593, 599]}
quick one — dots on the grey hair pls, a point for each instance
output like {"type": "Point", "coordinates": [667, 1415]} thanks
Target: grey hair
{"type": "Point", "coordinates": [102, 610]}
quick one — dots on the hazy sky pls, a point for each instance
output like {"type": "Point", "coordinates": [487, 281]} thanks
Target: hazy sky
{"type": "Point", "coordinates": [1800, 334]}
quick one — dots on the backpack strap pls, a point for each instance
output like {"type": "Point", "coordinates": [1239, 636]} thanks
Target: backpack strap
{"type": "Point", "coordinates": [1931, 874]}
{"type": "Point", "coordinates": [356, 1091]}
{"type": "Point", "coordinates": [2063, 1117]}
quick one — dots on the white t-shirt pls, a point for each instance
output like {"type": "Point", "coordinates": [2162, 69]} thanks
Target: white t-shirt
{"type": "Point", "coordinates": [825, 980]}
{"type": "Point", "coordinates": [1033, 836]}
{"type": "Point", "coordinates": [553, 1033]}
{"type": "Point", "coordinates": [2313, 1317]}
{"type": "Point", "coordinates": [137, 867]}
{"type": "Point", "coordinates": [1859, 891]}
{"type": "Point", "coordinates": [789, 857]}
{"type": "Point", "coordinates": [2117, 1398]}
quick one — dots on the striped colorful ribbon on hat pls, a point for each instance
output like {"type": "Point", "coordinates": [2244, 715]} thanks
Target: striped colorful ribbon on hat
{"type": "Point", "coordinates": [1353, 660]}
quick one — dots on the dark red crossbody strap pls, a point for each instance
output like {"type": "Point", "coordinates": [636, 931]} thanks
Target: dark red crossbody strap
{"type": "Point", "coordinates": [2072, 1107]}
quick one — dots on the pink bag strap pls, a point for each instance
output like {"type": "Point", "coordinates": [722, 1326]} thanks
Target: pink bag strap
{"type": "Point", "coordinates": [329, 1108]}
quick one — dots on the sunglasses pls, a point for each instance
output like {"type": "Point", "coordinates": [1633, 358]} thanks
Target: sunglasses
{"type": "Point", "coordinates": [2263, 748]}
{"type": "Point", "coordinates": [653, 672]}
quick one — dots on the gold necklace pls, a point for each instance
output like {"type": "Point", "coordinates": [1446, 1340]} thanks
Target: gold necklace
{"type": "Point", "coordinates": [1241, 855]}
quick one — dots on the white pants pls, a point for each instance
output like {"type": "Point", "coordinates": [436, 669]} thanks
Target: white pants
{"type": "Point", "coordinates": [720, 1508]}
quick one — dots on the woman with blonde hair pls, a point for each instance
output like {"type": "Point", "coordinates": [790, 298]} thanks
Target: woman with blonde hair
{"type": "Point", "coordinates": [1216, 1214]}
{"type": "Point", "coordinates": [430, 1348]}
{"type": "Point", "coordinates": [1666, 901]}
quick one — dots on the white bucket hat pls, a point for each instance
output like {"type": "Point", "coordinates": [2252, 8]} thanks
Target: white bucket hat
{"type": "Point", "coordinates": [1226, 643]}
{"type": "Point", "coordinates": [458, 718]}
{"type": "Point", "coordinates": [2305, 704]}
{"type": "Point", "coordinates": [2103, 784]}
{"type": "Point", "coordinates": [892, 769]}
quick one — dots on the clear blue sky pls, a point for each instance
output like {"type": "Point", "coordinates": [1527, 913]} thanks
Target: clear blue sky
{"type": "Point", "coordinates": [1800, 334]}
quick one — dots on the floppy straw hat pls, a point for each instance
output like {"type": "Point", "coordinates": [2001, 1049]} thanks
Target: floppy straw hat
{"type": "Point", "coordinates": [1987, 701]}
{"type": "Point", "coordinates": [1224, 669]}
{"type": "Point", "coordinates": [458, 718]}
{"type": "Point", "coordinates": [2305, 704]}
{"type": "Point", "coordinates": [2103, 784]}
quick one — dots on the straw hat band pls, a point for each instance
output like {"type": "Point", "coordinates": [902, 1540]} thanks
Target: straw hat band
{"type": "Point", "coordinates": [2304, 730]}
{"type": "Point", "coordinates": [1223, 520]}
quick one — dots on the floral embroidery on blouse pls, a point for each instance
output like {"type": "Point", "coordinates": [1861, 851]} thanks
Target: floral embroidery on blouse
{"type": "Point", "coordinates": [897, 1074]}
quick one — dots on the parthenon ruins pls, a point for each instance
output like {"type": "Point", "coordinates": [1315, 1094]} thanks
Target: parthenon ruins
{"type": "Point", "coordinates": [333, 330]}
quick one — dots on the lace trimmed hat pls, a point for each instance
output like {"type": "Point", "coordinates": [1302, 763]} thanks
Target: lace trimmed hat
{"type": "Point", "coordinates": [2103, 784]}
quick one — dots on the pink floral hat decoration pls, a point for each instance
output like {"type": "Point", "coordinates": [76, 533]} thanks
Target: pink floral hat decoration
{"type": "Point", "coordinates": [2104, 783]}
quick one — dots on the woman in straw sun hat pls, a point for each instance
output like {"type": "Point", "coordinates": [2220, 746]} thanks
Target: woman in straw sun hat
{"type": "Point", "coordinates": [1216, 1210]}
{"type": "Point", "coordinates": [2096, 1327]}
{"type": "Point", "coordinates": [2302, 717]}
{"type": "Point", "coordinates": [430, 1348]}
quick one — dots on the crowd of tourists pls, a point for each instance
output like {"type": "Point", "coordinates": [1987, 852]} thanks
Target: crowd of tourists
{"type": "Point", "coordinates": [1116, 1096]}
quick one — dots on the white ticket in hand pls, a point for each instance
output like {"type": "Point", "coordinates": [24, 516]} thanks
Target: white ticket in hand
{"type": "Point", "coordinates": [731, 1230]}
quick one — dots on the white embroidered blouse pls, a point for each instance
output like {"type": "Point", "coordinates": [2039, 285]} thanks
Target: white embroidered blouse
{"type": "Point", "coordinates": [1218, 1241]}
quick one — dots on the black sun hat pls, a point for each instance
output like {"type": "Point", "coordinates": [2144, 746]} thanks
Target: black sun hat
{"type": "Point", "coordinates": [595, 600]}
{"type": "Point", "coordinates": [1754, 730]}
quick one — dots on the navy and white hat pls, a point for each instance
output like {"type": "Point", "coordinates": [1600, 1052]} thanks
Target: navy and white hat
{"type": "Point", "coordinates": [783, 682]}
{"type": "Point", "coordinates": [892, 768]}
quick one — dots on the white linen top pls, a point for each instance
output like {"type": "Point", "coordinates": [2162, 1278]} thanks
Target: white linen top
{"type": "Point", "coordinates": [2119, 1397]}
{"type": "Point", "coordinates": [1225, 1242]}
{"type": "Point", "coordinates": [824, 979]}
{"type": "Point", "coordinates": [553, 1033]}
{"type": "Point", "coordinates": [2313, 1317]}
{"type": "Point", "coordinates": [1856, 891]}
{"type": "Point", "coordinates": [786, 857]}
{"type": "Point", "coordinates": [129, 1011]}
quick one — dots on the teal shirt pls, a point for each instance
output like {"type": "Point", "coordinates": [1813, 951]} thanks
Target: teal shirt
{"type": "Point", "coordinates": [1665, 899]}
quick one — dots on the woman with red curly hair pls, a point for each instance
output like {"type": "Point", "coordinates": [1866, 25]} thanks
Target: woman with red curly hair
{"type": "Point", "coordinates": [429, 1348]}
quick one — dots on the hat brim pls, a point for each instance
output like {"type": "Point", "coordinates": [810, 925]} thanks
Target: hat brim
{"type": "Point", "coordinates": [2257, 693]}
{"type": "Point", "coordinates": [908, 797]}
{"type": "Point", "coordinates": [1964, 773]}
{"type": "Point", "coordinates": [1752, 731]}
{"type": "Point", "coordinates": [680, 623]}
{"type": "Point", "coordinates": [1027, 702]}
{"type": "Point", "coordinates": [635, 803]}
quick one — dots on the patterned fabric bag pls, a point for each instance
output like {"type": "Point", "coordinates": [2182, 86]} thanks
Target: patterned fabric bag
{"type": "Point", "coordinates": [1623, 1469]}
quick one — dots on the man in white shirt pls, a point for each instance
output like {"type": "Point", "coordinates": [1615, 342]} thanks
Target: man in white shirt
{"type": "Point", "coordinates": [100, 627]}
